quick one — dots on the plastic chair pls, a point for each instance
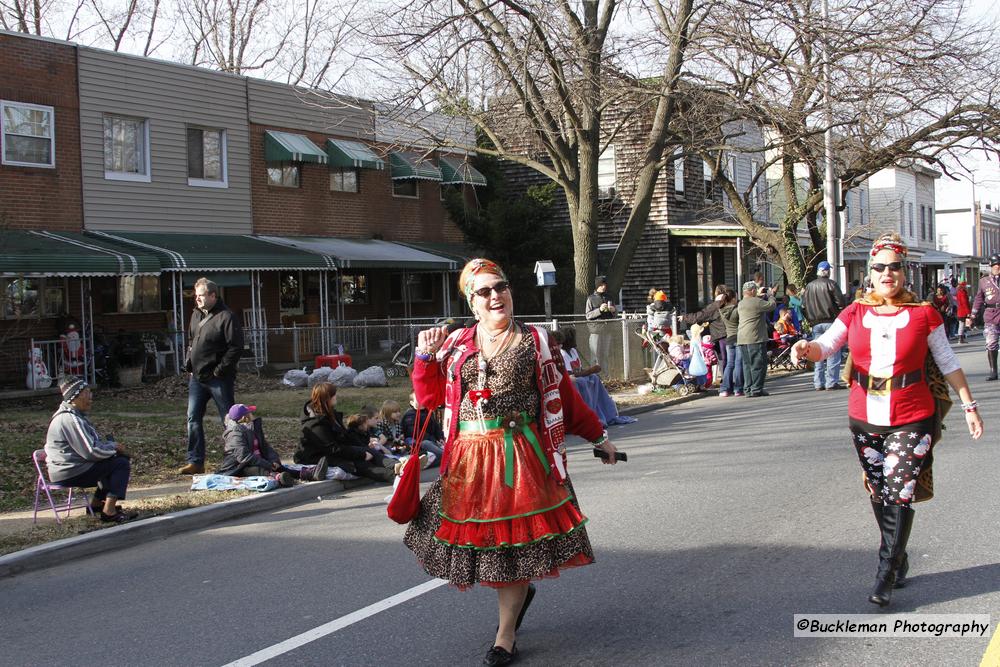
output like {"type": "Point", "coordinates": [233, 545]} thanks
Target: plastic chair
{"type": "Point", "coordinates": [43, 484]}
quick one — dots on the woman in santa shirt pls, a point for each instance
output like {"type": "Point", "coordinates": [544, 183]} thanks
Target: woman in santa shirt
{"type": "Point", "coordinates": [891, 408]}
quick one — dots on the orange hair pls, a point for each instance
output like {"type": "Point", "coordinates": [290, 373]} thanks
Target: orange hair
{"type": "Point", "coordinates": [319, 400]}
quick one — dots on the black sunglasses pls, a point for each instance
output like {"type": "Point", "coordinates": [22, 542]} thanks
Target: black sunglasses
{"type": "Point", "coordinates": [892, 266]}
{"type": "Point", "coordinates": [499, 288]}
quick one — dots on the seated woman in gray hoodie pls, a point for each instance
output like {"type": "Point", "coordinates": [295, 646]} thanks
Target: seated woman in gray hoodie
{"type": "Point", "coordinates": [77, 455]}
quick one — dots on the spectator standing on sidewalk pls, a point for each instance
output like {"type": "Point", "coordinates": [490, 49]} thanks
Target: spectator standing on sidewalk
{"type": "Point", "coordinates": [822, 303]}
{"type": "Point", "coordinates": [752, 333]}
{"type": "Point", "coordinates": [732, 373]}
{"type": "Point", "coordinates": [987, 302]}
{"type": "Point", "coordinates": [600, 307]}
{"type": "Point", "coordinates": [712, 314]}
{"type": "Point", "coordinates": [216, 345]}
{"type": "Point", "coordinates": [962, 309]}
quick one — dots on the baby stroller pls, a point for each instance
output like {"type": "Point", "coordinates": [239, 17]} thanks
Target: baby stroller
{"type": "Point", "coordinates": [665, 371]}
{"type": "Point", "coordinates": [779, 352]}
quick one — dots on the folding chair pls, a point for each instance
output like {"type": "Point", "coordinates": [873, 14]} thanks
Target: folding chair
{"type": "Point", "coordinates": [43, 484]}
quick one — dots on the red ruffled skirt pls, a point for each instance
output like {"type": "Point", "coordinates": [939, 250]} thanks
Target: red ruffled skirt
{"type": "Point", "coordinates": [475, 528]}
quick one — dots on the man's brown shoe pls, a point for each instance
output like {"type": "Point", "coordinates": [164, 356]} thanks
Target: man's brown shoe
{"type": "Point", "coordinates": [192, 469]}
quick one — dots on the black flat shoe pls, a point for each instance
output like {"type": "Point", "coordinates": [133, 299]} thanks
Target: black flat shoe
{"type": "Point", "coordinates": [498, 655]}
{"type": "Point", "coordinates": [524, 608]}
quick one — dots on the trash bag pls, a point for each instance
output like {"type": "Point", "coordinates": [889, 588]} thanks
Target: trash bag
{"type": "Point", "coordinates": [343, 376]}
{"type": "Point", "coordinates": [373, 376]}
{"type": "Point", "coordinates": [320, 375]}
{"type": "Point", "coordinates": [697, 367]}
{"type": "Point", "coordinates": [295, 378]}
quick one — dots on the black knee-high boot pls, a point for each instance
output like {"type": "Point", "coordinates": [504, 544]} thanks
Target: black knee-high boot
{"type": "Point", "coordinates": [991, 356]}
{"type": "Point", "coordinates": [897, 520]}
{"type": "Point", "coordinates": [883, 552]}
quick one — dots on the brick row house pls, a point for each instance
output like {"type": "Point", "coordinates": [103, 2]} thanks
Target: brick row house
{"type": "Point", "coordinates": [124, 179]}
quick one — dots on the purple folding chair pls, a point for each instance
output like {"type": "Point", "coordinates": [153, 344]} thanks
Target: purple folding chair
{"type": "Point", "coordinates": [43, 484]}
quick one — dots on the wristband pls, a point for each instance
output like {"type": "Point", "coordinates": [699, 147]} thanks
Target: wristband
{"type": "Point", "coordinates": [423, 356]}
{"type": "Point", "coordinates": [971, 407]}
{"type": "Point", "coordinates": [600, 441]}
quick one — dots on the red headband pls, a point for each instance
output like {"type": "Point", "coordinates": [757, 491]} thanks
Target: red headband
{"type": "Point", "coordinates": [894, 246]}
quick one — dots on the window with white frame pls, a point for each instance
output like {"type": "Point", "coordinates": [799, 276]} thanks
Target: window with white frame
{"type": "Point", "coordinates": [923, 223]}
{"type": "Point", "coordinates": [32, 297]}
{"type": "Point", "coordinates": [607, 176]}
{"type": "Point", "coordinates": [283, 175]}
{"type": "Point", "coordinates": [902, 219]}
{"type": "Point", "coordinates": [909, 210]}
{"type": "Point", "coordinates": [930, 225]}
{"type": "Point", "coordinates": [138, 294]}
{"type": "Point", "coordinates": [760, 185]}
{"type": "Point", "coordinates": [707, 175]}
{"type": "Point", "coordinates": [126, 148]}
{"type": "Point", "coordinates": [343, 180]}
{"type": "Point", "coordinates": [206, 154]}
{"type": "Point", "coordinates": [679, 171]}
{"type": "Point", "coordinates": [28, 135]}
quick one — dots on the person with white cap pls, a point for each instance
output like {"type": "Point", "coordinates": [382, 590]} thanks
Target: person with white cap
{"type": "Point", "coordinates": [822, 303]}
{"type": "Point", "coordinates": [77, 455]}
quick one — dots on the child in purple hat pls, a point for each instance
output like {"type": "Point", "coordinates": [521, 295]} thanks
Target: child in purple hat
{"type": "Point", "coordinates": [247, 451]}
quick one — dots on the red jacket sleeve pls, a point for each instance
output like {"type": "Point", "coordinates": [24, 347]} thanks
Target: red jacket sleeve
{"type": "Point", "coordinates": [429, 383]}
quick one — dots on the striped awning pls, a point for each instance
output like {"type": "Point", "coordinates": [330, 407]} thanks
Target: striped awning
{"type": "Point", "coordinates": [458, 171]}
{"type": "Point", "coordinates": [411, 165]}
{"type": "Point", "coordinates": [352, 154]}
{"type": "Point", "coordinates": [288, 147]}
{"type": "Point", "coordinates": [216, 252]}
{"type": "Point", "coordinates": [45, 253]}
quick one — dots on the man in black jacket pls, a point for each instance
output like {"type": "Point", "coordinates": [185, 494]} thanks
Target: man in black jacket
{"type": "Point", "coordinates": [216, 343]}
{"type": "Point", "coordinates": [822, 302]}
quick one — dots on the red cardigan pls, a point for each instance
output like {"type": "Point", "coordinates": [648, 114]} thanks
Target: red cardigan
{"type": "Point", "coordinates": [438, 381]}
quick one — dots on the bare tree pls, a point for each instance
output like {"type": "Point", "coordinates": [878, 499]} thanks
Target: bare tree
{"type": "Point", "coordinates": [35, 17]}
{"type": "Point", "coordinates": [910, 82]}
{"type": "Point", "coordinates": [535, 79]}
{"type": "Point", "coordinates": [237, 36]}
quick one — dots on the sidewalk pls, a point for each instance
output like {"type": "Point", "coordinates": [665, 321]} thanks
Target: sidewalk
{"type": "Point", "coordinates": [158, 527]}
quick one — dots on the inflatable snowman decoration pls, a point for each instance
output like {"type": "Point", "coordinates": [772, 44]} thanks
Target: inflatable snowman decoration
{"type": "Point", "coordinates": [38, 372]}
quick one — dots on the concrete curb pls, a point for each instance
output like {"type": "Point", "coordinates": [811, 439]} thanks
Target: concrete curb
{"type": "Point", "coordinates": [158, 527]}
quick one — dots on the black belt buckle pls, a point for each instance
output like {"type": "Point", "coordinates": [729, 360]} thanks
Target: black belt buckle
{"type": "Point", "coordinates": [879, 386]}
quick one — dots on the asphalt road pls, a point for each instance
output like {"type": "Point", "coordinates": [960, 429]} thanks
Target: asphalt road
{"type": "Point", "coordinates": [732, 515]}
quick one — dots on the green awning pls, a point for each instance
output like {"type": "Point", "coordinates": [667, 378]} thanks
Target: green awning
{"type": "Point", "coordinates": [410, 165]}
{"type": "Point", "coordinates": [368, 253]}
{"type": "Point", "coordinates": [352, 155]}
{"type": "Point", "coordinates": [288, 147]}
{"type": "Point", "coordinates": [217, 252]}
{"type": "Point", "coordinates": [45, 253]}
{"type": "Point", "coordinates": [457, 171]}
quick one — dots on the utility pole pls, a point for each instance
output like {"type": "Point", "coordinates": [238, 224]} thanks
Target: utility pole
{"type": "Point", "coordinates": [830, 186]}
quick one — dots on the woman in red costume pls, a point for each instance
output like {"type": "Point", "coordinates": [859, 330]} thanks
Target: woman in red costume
{"type": "Point", "coordinates": [894, 418]}
{"type": "Point", "coordinates": [503, 512]}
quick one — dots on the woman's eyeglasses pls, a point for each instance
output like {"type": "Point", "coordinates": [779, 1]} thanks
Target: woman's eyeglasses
{"type": "Point", "coordinates": [892, 266]}
{"type": "Point", "coordinates": [499, 288]}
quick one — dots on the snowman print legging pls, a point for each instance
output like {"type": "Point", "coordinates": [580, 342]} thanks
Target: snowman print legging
{"type": "Point", "coordinates": [892, 457]}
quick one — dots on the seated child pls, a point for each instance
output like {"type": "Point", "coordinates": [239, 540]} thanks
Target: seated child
{"type": "Point", "coordinates": [389, 429]}
{"type": "Point", "coordinates": [247, 452]}
{"type": "Point", "coordinates": [376, 465]}
{"type": "Point", "coordinates": [433, 442]}
{"type": "Point", "coordinates": [784, 328]}
{"type": "Point", "coordinates": [679, 351]}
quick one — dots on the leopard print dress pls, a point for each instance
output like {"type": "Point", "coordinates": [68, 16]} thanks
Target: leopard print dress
{"type": "Point", "coordinates": [511, 379]}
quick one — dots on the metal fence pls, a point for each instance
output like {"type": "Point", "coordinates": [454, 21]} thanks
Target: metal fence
{"type": "Point", "coordinates": [611, 343]}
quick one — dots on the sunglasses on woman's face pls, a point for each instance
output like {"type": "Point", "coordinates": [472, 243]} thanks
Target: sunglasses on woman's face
{"type": "Point", "coordinates": [892, 266]}
{"type": "Point", "coordinates": [499, 288]}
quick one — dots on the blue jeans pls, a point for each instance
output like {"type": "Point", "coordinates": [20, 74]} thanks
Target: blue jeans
{"type": "Point", "coordinates": [826, 373]}
{"type": "Point", "coordinates": [109, 475]}
{"type": "Point", "coordinates": [732, 373]}
{"type": "Point", "coordinates": [429, 446]}
{"type": "Point", "coordinates": [220, 390]}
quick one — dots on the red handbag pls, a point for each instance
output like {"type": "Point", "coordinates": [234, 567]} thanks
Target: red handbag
{"type": "Point", "coordinates": [405, 502]}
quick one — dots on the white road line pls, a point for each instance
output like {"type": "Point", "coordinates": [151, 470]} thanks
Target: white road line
{"type": "Point", "coordinates": [336, 624]}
